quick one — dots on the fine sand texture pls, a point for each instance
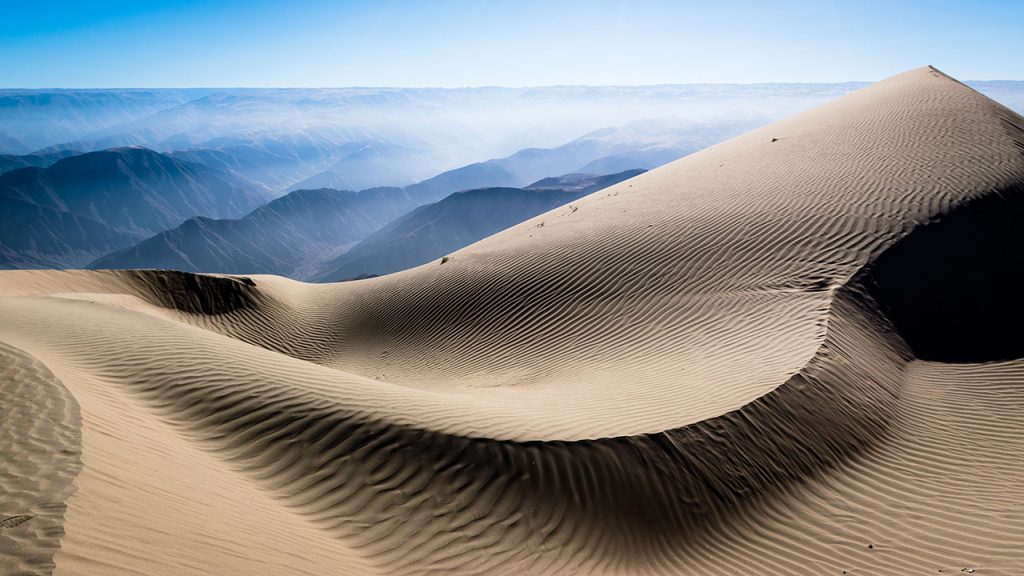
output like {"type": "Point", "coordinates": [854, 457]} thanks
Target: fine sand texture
{"type": "Point", "coordinates": [800, 351]}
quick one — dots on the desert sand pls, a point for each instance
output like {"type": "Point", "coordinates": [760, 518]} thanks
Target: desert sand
{"type": "Point", "coordinates": [800, 351]}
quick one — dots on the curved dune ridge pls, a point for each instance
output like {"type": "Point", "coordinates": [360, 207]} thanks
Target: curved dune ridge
{"type": "Point", "coordinates": [799, 351]}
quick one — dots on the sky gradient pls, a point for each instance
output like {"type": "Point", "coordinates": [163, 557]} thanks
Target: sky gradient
{"type": "Point", "coordinates": [262, 43]}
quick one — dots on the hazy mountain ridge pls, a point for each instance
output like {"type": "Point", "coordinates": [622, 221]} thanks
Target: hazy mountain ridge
{"type": "Point", "coordinates": [277, 238]}
{"type": "Point", "coordinates": [642, 144]}
{"type": "Point", "coordinates": [10, 162]}
{"type": "Point", "coordinates": [33, 236]}
{"type": "Point", "coordinates": [372, 164]}
{"type": "Point", "coordinates": [433, 230]}
{"type": "Point", "coordinates": [300, 229]}
{"type": "Point", "coordinates": [121, 195]}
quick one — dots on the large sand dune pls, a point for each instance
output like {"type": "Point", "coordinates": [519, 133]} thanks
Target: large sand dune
{"type": "Point", "coordinates": [797, 352]}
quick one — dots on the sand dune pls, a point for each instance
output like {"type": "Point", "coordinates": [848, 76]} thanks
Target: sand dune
{"type": "Point", "coordinates": [796, 352]}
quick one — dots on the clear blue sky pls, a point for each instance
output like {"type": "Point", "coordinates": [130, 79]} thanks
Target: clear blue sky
{"type": "Point", "coordinates": [140, 43]}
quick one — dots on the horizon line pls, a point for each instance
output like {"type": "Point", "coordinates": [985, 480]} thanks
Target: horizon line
{"type": "Point", "coordinates": [471, 87]}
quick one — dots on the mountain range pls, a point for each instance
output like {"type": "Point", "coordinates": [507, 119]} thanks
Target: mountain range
{"type": "Point", "coordinates": [82, 206]}
{"type": "Point", "coordinates": [280, 237]}
{"type": "Point", "coordinates": [301, 233]}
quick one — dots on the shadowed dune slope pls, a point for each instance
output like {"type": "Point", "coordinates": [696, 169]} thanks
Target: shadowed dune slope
{"type": "Point", "coordinates": [797, 351]}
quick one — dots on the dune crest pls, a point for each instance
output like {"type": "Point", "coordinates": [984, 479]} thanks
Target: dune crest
{"type": "Point", "coordinates": [796, 350]}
